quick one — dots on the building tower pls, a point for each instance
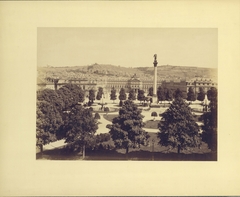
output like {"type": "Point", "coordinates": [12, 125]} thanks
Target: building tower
{"type": "Point", "coordinates": [154, 99]}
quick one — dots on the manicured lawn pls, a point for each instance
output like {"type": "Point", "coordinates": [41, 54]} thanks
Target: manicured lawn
{"type": "Point", "coordinates": [153, 151]}
{"type": "Point", "coordinates": [109, 117]}
{"type": "Point", "coordinates": [151, 124]}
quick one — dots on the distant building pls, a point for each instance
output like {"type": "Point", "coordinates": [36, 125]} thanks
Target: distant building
{"type": "Point", "coordinates": [133, 83]}
{"type": "Point", "coordinates": [205, 83]}
{"type": "Point", "coordinates": [175, 84]}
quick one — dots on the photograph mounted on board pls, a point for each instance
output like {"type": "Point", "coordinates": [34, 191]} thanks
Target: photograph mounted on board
{"type": "Point", "coordinates": [144, 94]}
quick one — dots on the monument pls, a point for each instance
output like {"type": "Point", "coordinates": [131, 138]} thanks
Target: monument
{"type": "Point", "coordinates": [154, 98]}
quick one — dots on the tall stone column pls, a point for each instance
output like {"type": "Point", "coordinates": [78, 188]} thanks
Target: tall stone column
{"type": "Point", "coordinates": [155, 80]}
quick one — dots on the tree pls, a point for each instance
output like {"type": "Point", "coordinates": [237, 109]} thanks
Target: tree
{"type": "Point", "coordinates": [178, 93]}
{"type": "Point", "coordinates": [169, 95]}
{"type": "Point", "coordinates": [160, 94]}
{"type": "Point", "coordinates": [120, 103]}
{"type": "Point", "coordinates": [91, 96]}
{"type": "Point", "coordinates": [201, 94]}
{"type": "Point", "coordinates": [99, 93]}
{"type": "Point", "coordinates": [77, 92]}
{"type": "Point", "coordinates": [132, 95]}
{"type": "Point", "coordinates": [191, 95]}
{"type": "Point", "coordinates": [209, 134]}
{"type": "Point", "coordinates": [212, 94]}
{"type": "Point", "coordinates": [150, 91]}
{"type": "Point", "coordinates": [48, 122]}
{"type": "Point", "coordinates": [52, 97]}
{"type": "Point", "coordinates": [97, 116]}
{"type": "Point", "coordinates": [66, 96]}
{"type": "Point", "coordinates": [178, 128]}
{"type": "Point", "coordinates": [122, 94]}
{"type": "Point", "coordinates": [154, 114]}
{"type": "Point", "coordinates": [70, 95]}
{"type": "Point", "coordinates": [113, 95]}
{"type": "Point", "coordinates": [106, 109]}
{"type": "Point", "coordinates": [126, 130]}
{"type": "Point", "coordinates": [80, 127]}
{"type": "Point", "coordinates": [141, 96]}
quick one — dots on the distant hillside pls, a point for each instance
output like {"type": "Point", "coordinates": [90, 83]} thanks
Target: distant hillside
{"type": "Point", "coordinates": [107, 72]}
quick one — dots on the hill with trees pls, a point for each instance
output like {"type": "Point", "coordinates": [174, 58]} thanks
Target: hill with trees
{"type": "Point", "coordinates": [108, 72]}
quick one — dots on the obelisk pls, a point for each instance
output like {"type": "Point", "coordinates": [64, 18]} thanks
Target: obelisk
{"type": "Point", "coordinates": [154, 99]}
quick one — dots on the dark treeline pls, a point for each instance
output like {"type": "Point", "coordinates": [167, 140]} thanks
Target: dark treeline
{"type": "Point", "coordinates": [59, 116]}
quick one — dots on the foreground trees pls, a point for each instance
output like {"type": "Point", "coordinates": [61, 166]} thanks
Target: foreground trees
{"type": "Point", "coordinates": [48, 122]}
{"type": "Point", "coordinates": [178, 128]}
{"type": "Point", "coordinates": [209, 134]}
{"type": "Point", "coordinates": [51, 105]}
{"type": "Point", "coordinates": [126, 130]}
{"type": "Point", "coordinates": [79, 128]}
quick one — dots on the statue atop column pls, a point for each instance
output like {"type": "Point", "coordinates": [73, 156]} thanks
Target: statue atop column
{"type": "Point", "coordinates": [155, 57]}
{"type": "Point", "coordinates": [155, 60]}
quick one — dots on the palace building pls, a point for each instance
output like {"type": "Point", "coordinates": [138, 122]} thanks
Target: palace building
{"type": "Point", "coordinates": [133, 83]}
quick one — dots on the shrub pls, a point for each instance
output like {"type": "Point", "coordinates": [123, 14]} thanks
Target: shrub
{"type": "Point", "coordinates": [154, 114]}
{"type": "Point", "coordinates": [106, 109]}
{"type": "Point", "coordinates": [121, 103]}
{"type": "Point", "coordinates": [103, 137]}
{"type": "Point", "coordinates": [97, 116]}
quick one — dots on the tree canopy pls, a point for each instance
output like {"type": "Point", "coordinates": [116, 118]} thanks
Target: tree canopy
{"type": "Point", "coordinates": [179, 94]}
{"type": "Point", "coordinates": [113, 95]}
{"type": "Point", "coordinates": [150, 91]}
{"type": "Point", "coordinates": [51, 105]}
{"type": "Point", "coordinates": [122, 94]}
{"type": "Point", "coordinates": [132, 95]}
{"type": "Point", "coordinates": [141, 96]}
{"type": "Point", "coordinates": [126, 130]}
{"type": "Point", "coordinates": [160, 94]}
{"type": "Point", "coordinates": [99, 93]}
{"type": "Point", "coordinates": [201, 94]}
{"type": "Point", "coordinates": [169, 95]}
{"type": "Point", "coordinates": [177, 127]}
{"type": "Point", "coordinates": [97, 116]}
{"type": "Point", "coordinates": [191, 95]}
{"type": "Point", "coordinates": [209, 134]}
{"type": "Point", "coordinates": [79, 128]}
{"type": "Point", "coordinates": [91, 95]}
{"type": "Point", "coordinates": [48, 122]}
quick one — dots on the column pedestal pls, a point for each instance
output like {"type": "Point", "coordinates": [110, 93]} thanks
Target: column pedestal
{"type": "Point", "coordinates": [154, 100]}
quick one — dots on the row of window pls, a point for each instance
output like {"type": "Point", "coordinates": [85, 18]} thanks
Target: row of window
{"type": "Point", "coordinates": [201, 84]}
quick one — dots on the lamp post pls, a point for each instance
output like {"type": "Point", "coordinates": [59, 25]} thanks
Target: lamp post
{"type": "Point", "coordinates": [153, 149]}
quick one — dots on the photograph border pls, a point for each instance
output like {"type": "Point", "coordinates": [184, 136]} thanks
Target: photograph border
{"type": "Point", "coordinates": [21, 174]}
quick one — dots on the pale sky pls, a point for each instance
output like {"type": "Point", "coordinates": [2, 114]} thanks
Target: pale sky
{"type": "Point", "coordinates": [127, 47]}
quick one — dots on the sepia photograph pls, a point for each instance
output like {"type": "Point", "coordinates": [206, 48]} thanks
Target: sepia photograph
{"type": "Point", "coordinates": [127, 94]}
{"type": "Point", "coordinates": [119, 98]}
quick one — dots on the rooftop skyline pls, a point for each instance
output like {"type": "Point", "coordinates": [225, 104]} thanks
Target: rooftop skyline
{"type": "Point", "coordinates": [127, 47]}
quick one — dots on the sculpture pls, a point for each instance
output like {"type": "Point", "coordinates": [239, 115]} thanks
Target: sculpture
{"type": "Point", "coordinates": [155, 57]}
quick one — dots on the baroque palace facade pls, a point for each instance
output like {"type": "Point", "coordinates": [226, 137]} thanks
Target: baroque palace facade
{"type": "Point", "coordinates": [133, 83]}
